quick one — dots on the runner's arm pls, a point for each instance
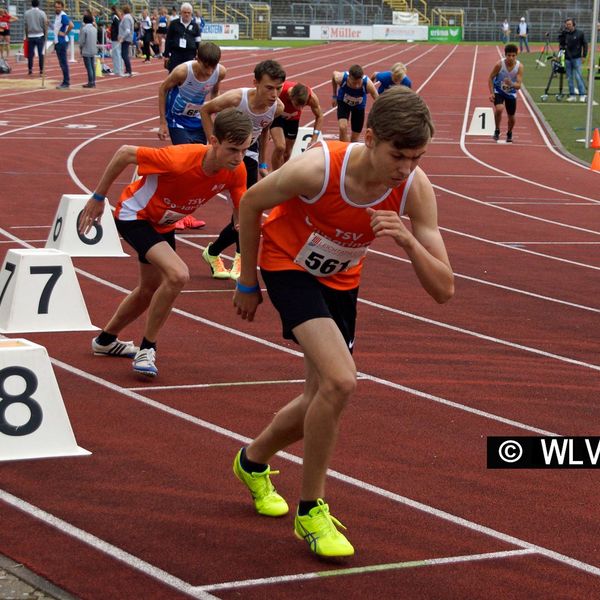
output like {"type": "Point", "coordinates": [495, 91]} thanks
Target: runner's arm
{"type": "Point", "coordinates": [423, 245]}
{"type": "Point", "coordinates": [92, 212]}
{"type": "Point", "coordinates": [221, 102]}
{"type": "Point", "coordinates": [175, 78]}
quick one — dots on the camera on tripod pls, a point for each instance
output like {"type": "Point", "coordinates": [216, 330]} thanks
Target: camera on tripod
{"type": "Point", "coordinates": [557, 61]}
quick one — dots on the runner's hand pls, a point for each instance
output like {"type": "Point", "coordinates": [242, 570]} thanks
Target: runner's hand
{"type": "Point", "coordinates": [247, 304]}
{"type": "Point", "coordinates": [92, 213]}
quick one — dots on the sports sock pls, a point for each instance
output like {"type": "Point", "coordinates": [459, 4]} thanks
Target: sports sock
{"type": "Point", "coordinates": [250, 466]}
{"type": "Point", "coordinates": [104, 339]}
{"type": "Point", "coordinates": [226, 238]}
{"type": "Point", "coordinates": [145, 345]}
{"type": "Point", "coordinates": [305, 506]}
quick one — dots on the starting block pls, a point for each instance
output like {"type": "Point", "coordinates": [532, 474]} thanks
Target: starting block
{"type": "Point", "coordinates": [33, 419]}
{"type": "Point", "coordinates": [482, 122]}
{"type": "Point", "coordinates": [303, 140]}
{"type": "Point", "coordinates": [39, 291]}
{"type": "Point", "coordinates": [101, 240]}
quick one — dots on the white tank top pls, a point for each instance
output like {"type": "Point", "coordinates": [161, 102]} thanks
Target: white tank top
{"type": "Point", "coordinates": [259, 121]}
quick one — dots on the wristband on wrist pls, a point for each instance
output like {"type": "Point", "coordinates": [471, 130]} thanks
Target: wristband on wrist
{"type": "Point", "coordinates": [98, 197]}
{"type": "Point", "coordinates": [247, 289]}
{"type": "Point", "coordinates": [316, 131]}
{"type": "Point", "coordinates": [263, 166]}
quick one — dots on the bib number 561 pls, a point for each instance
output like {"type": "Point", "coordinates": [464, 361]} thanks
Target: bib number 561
{"type": "Point", "coordinates": [317, 263]}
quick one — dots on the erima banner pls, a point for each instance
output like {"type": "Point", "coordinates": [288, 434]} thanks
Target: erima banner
{"type": "Point", "coordinates": [529, 452]}
{"type": "Point", "coordinates": [341, 32]}
{"type": "Point", "coordinates": [221, 31]}
{"type": "Point", "coordinates": [400, 32]}
{"type": "Point", "coordinates": [445, 34]}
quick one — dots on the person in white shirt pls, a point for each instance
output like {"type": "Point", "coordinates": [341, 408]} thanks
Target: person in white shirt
{"type": "Point", "coordinates": [523, 32]}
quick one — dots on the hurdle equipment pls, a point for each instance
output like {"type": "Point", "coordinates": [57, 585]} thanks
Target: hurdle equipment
{"type": "Point", "coordinates": [39, 291]}
{"type": "Point", "coordinates": [303, 140]}
{"type": "Point", "coordinates": [33, 420]}
{"type": "Point", "coordinates": [482, 122]}
{"type": "Point", "coordinates": [101, 240]}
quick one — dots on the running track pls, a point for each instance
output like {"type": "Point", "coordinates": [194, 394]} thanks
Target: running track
{"type": "Point", "coordinates": [155, 511]}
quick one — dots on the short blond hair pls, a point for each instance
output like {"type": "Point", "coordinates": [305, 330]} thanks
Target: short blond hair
{"type": "Point", "coordinates": [399, 70]}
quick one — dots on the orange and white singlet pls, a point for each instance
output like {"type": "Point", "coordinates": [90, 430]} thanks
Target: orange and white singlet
{"type": "Point", "coordinates": [174, 185]}
{"type": "Point", "coordinates": [327, 235]}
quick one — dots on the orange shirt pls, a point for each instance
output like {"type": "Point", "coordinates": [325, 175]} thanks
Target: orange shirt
{"type": "Point", "coordinates": [173, 185]}
{"type": "Point", "coordinates": [327, 235]}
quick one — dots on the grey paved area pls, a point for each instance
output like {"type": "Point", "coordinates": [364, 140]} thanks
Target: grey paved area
{"type": "Point", "coordinates": [19, 583]}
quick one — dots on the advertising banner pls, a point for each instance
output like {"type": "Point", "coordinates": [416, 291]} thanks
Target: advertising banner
{"type": "Point", "coordinates": [221, 31]}
{"type": "Point", "coordinates": [400, 32]}
{"type": "Point", "coordinates": [445, 34]}
{"type": "Point", "coordinates": [341, 32]}
{"type": "Point", "coordinates": [289, 31]}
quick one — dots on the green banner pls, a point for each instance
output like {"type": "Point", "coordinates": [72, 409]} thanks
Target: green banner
{"type": "Point", "coordinates": [445, 34]}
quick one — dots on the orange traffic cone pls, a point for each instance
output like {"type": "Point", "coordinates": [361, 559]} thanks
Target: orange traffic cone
{"type": "Point", "coordinates": [596, 140]}
{"type": "Point", "coordinates": [595, 166]}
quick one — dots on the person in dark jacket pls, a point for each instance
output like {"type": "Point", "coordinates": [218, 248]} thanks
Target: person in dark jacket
{"type": "Point", "coordinates": [574, 44]}
{"type": "Point", "coordinates": [183, 38]}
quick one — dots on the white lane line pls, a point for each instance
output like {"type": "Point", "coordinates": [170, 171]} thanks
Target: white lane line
{"type": "Point", "coordinates": [98, 544]}
{"type": "Point", "coordinates": [427, 509]}
{"type": "Point", "coordinates": [193, 386]}
{"type": "Point", "coordinates": [426, 562]}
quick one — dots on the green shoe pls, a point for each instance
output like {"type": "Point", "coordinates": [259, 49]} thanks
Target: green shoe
{"type": "Point", "coordinates": [318, 529]}
{"type": "Point", "coordinates": [266, 499]}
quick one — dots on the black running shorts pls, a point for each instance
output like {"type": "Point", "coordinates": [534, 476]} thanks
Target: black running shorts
{"type": "Point", "coordinates": [299, 296]}
{"type": "Point", "coordinates": [141, 236]}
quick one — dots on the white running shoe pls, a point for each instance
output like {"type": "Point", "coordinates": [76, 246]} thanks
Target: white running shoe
{"type": "Point", "coordinates": [572, 99]}
{"type": "Point", "coordinates": [143, 362]}
{"type": "Point", "coordinates": [583, 98]}
{"type": "Point", "coordinates": [116, 348]}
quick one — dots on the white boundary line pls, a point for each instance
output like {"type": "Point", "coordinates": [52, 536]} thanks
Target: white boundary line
{"type": "Point", "coordinates": [426, 562]}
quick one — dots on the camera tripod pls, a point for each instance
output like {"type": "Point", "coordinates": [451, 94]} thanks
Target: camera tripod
{"type": "Point", "coordinates": [558, 69]}
{"type": "Point", "coordinates": [546, 51]}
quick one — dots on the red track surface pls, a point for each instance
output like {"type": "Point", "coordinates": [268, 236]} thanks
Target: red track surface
{"type": "Point", "coordinates": [514, 353]}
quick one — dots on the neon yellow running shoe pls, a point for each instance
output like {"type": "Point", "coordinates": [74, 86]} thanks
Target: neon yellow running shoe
{"type": "Point", "coordinates": [236, 267]}
{"type": "Point", "coordinates": [217, 268]}
{"type": "Point", "coordinates": [266, 499]}
{"type": "Point", "coordinates": [318, 529]}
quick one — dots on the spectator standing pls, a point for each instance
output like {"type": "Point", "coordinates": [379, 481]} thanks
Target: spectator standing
{"type": "Point", "coordinates": [62, 26]}
{"type": "Point", "coordinates": [505, 31]}
{"type": "Point", "coordinates": [146, 34]}
{"type": "Point", "coordinates": [36, 28]}
{"type": "Point", "coordinates": [573, 42]}
{"type": "Point", "coordinates": [5, 20]}
{"type": "Point", "coordinates": [126, 38]}
{"type": "Point", "coordinates": [115, 45]}
{"type": "Point", "coordinates": [89, 49]}
{"type": "Point", "coordinates": [183, 37]}
{"type": "Point", "coordinates": [523, 32]}
{"type": "Point", "coordinates": [161, 29]}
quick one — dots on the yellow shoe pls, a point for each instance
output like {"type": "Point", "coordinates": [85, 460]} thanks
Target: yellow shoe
{"type": "Point", "coordinates": [266, 499]}
{"type": "Point", "coordinates": [217, 268]}
{"type": "Point", "coordinates": [318, 529]}
{"type": "Point", "coordinates": [236, 267]}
